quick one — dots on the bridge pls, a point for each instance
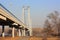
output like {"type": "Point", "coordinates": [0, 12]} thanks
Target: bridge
{"type": "Point", "coordinates": [7, 18]}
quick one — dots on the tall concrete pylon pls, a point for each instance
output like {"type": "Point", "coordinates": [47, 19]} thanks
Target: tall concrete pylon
{"type": "Point", "coordinates": [29, 21]}
{"type": "Point", "coordinates": [23, 15]}
{"type": "Point", "coordinates": [29, 18]}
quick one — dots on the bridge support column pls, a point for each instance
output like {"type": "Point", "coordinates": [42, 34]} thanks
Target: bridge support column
{"type": "Point", "coordinates": [27, 33]}
{"type": "Point", "coordinates": [13, 32]}
{"type": "Point", "coordinates": [2, 30]}
{"type": "Point", "coordinates": [23, 32]}
{"type": "Point", "coordinates": [19, 32]}
{"type": "Point", "coordinates": [30, 32]}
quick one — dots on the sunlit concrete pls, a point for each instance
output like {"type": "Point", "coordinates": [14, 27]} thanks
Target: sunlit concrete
{"type": "Point", "coordinates": [2, 30]}
{"type": "Point", "coordinates": [1, 17]}
{"type": "Point", "coordinates": [10, 16]}
{"type": "Point", "coordinates": [13, 32]}
{"type": "Point", "coordinates": [9, 19]}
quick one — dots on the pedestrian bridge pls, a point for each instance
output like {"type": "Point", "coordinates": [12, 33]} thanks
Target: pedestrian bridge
{"type": "Point", "coordinates": [7, 18]}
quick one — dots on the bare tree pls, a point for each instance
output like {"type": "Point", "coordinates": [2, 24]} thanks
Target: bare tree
{"type": "Point", "coordinates": [52, 21]}
{"type": "Point", "coordinates": [47, 31]}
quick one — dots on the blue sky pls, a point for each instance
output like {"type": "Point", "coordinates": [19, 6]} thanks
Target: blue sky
{"type": "Point", "coordinates": [39, 9]}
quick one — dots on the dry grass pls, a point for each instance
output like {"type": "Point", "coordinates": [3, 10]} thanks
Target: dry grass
{"type": "Point", "coordinates": [27, 38]}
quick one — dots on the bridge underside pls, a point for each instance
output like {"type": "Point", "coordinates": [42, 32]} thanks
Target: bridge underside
{"type": "Point", "coordinates": [7, 19]}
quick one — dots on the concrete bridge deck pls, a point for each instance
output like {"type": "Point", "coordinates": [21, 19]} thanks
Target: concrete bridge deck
{"type": "Point", "coordinates": [8, 15]}
{"type": "Point", "coordinates": [7, 18]}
